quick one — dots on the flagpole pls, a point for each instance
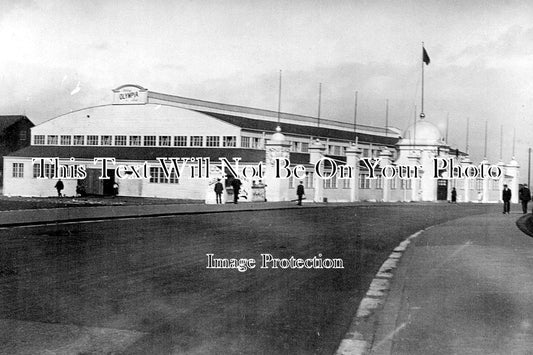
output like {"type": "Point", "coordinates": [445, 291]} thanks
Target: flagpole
{"type": "Point", "coordinates": [486, 128]}
{"type": "Point", "coordinates": [414, 130]}
{"type": "Point", "coordinates": [319, 99]}
{"type": "Point", "coordinates": [501, 143]}
{"type": "Point", "coordinates": [387, 119]}
{"type": "Point", "coordinates": [514, 138]}
{"type": "Point", "coordinates": [355, 118]}
{"type": "Point", "coordinates": [279, 99]}
{"type": "Point", "coordinates": [422, 107]}
{"type": "Point", "coordinates": [467, 132]}
{"type": "Point", "coordinates": [447, 125]}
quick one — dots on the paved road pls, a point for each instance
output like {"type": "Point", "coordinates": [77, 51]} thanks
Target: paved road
{"type": "Point", "coordinates": [466, 287]}
{"type": "Point", "coordinates": [141, 285]}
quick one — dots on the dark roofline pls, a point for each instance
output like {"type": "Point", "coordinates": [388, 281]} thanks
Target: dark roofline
{"type": "Point", "coordinates": [7, 121]}
{"type": "Point", "coordinates": [261, 112]}
{"type": "Point", "coordinates": [150, 153]}
{"type": "Point", "coordinates": [290, 128]}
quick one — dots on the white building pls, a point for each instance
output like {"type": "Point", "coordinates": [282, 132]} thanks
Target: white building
{"type": "Point", "coordinates": [139, 129]}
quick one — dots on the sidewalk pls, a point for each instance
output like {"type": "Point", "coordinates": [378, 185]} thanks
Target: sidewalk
{"type": "Point", "coordinates": [463, 287]}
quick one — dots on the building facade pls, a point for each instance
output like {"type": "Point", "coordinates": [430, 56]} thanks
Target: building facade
{"type": "Point", "coordinates": [159, 145]}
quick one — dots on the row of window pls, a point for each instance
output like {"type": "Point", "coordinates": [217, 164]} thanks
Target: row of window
{"type": "Point", "coordinates": [147, 141]}
{"type": "Point", "coordinates": [156, 173]}
{"type": "Point", "coordinates": [178, 141]}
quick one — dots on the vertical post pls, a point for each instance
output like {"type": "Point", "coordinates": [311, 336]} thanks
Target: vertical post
{"type": "Point", "coordinates": [355, 118]}
{"type": "Point", "coordinates": [319, 100]}
{"type": "Point", "coordinates": [467, 132]}
{"type": "Point", "coordinates": [387, 119]}
{"type": "Point", "coordinates": [486, 128]}
{"type": "Point", "coordinates": [514, 140]}
{"type": "Point", "coordinates": [501, 143]}
{"type": "Point", "coordinates": [529, 167]}
{"type": "Point", "coordinates": [279, 99]}
{"type": "Point", "coordinates": [447, 125]}
{"type": "Point", "coordinates": [422, 107]}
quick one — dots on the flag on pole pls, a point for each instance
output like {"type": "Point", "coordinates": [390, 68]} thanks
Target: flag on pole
{"type": "Point", "coordinates": [425, 56]}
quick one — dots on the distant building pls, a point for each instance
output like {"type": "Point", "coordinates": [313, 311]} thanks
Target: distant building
{"type": "Point", "coordinates": [14, 134]}
{"type": "Point", "coordinates": [141, 130]}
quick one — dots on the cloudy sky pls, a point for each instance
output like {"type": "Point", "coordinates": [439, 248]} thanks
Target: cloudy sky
{"type": "Point", "coordinates": [231, 51]}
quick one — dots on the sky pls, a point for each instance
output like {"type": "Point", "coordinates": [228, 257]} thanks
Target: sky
{"type": "Point", "coordinates": [62, 55]}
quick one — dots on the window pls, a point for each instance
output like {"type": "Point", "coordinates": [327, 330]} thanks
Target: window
{"type": "Point", "coordinates": [164, 141]}
{"type": "Point", "coordinates": [365, 152]}
{"type": "Point", "coordinates": [305, 147]}
{"type": "Point", "coordinates": [48, 170]}
{"type": "Point", "coordinates": [149, 141]}
{"type": "Point", "coordinates": [479, 184]}
{"type": "Point", "coordinates": [154, 174]}
{"type": "Point", "coordinates": [52, 140]}
{"type": "Point", "coordinates": [36, 170]}
{"type": "Point", "coordinates": [335, 150]}
{"type": "Point", "coordinates": [23, 135]}
{"type": "Point", "coordinates": [173, 178]}
{"type": "Point", "coordinates": [65, 140]}
{"type": "Point", "coordinates": [364, 181]}
{"type": "Point", "coordinates": [180, 141]}
{"type": "Point", "coordinates": [92, 140]}
{"type": "Point", "coordinates": [197, 141]}
{"type": "Point", "coordinates": [106, 140]}
{"type": "Point", "coordinates": [38, 139]}
{"type": "Point", "coordinates": [393, 183]}
{"type": "Point", "coordinates": [79, 140]}
{"type": "Point", "coordinates": [245, 142]}
{"type": "Point", "coordinates": [308, 182]}
{"type": "Point", "coordinates": [256, 143]}
{"type": "Point", "coordinates": [120, 140]}
{"type": "Point", "coordinates": [294, 146]}
{"type": "Point", "coordinates": [135, 140]}
{"type": "Point", "coordinates": [162, 177]}
{"type": "Point", "coordinates": [212, 141]}
{"type": "Point", "coordinates": [330, 183]}
{"type": "Point", "coordinates": [495, 184]}
{"type": "Point", "coordinates": [18, 170]}
{"type": "Point", "coordinates": [157, 176]}
{"type": "Point", "coordinates": [346, 183]}
{"type": "Point", "coordinates": [405, 184]}
{"type": "Point", "coordinates": [229, 141]}
{"type": "Point", "coordinates": [379, 182]}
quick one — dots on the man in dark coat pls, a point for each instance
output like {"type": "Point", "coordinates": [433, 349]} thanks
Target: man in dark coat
{"type": "Point", "coordinates": [300, 192]}
{"type": "Point", "coordinates": [218, 191]}
{"type": "Point", "coordinates": [525, 196]}
{"type": "Point", "coordinates": [236, 184]}
{"type": "Point", "coordinates": [454, 195]}
{"type": "Point", "coordinates": [506, 197]}
{"type": "Point", "coordinates": [59, 186]}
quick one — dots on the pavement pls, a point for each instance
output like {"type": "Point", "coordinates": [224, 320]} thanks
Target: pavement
{"type": "Point", "coordinates": [462, 287]}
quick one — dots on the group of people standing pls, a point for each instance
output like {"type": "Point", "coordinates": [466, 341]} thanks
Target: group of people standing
{"type": "Point", "coordinates": [524, 195]}
{"type": "Point", "coordinates": [219, 188]}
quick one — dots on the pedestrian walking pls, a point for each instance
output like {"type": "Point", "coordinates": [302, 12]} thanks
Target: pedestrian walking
{"type": "Point", "coordinates": [236, 184]}
{"type": "Point", "coordinates": [300, 191]}
{"type": "Point", "coordinates": [454, 195]}
{"type": "Point", "coordinates": [59, 187]}
{"type": "Point", "coordinates": [525, 196]}
{"type": "Point", "coordinates": [115, 189]}
{"type": "Point", "coordinates": [218, 191]}
{"type": "Point", "coordinates": [506, 197]}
